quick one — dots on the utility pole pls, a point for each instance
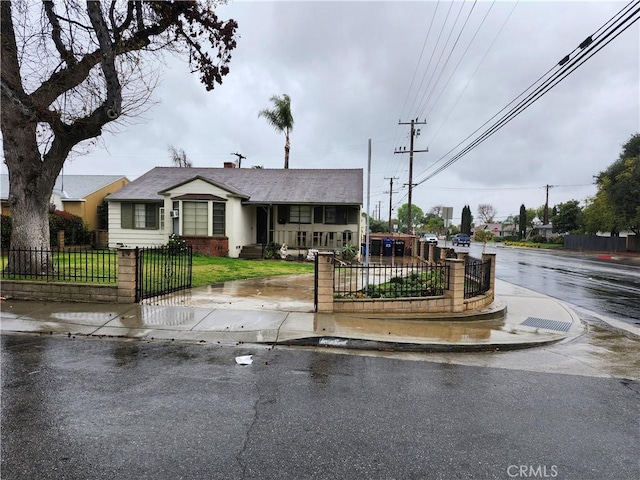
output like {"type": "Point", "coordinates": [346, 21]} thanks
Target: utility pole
{"type": "Point", "coordinates": [391, 192]}
{"type": "Point", "coordinates": [240, 157]}
{"type": "Point", "coordinates": [412, 133]}
{"type": "Point", "coordinates": [545, 221]}
{"type": "Point", "coordinates": [378, 209]}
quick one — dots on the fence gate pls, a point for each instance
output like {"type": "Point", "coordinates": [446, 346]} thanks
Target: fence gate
{"type": "Point", "coordinates": [162, 270]}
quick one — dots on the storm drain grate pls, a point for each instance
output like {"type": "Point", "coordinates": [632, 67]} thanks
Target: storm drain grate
{"type": "Point", "coordinates": [547, 324]}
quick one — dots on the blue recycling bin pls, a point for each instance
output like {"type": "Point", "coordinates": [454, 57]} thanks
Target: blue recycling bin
{"type": "Point", "coordinates": [387, 247]}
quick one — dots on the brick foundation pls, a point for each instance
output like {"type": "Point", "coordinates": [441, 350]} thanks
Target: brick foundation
{"type": "Point", "coordinates": [212, 246]}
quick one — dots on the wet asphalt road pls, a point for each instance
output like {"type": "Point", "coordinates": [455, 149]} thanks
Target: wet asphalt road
{"type": "Point", "coordinates": [98, 409]}
{"type": "Point", "coordinates": [608, 287]}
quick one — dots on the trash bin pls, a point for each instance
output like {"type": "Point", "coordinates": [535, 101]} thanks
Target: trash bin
{"type": "Point", "coordinates": [387, 247]}
{"type": "Point", "coordinates": [376, 246]}
{"type": "Point", "coordinates": [363, 248]}
{"type": "Point", "coordinates": [398, 248]}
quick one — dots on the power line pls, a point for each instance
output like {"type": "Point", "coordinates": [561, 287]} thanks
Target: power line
{"type": "Point", "coordinates": [567, 66]}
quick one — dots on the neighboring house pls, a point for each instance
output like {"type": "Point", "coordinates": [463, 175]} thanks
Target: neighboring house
{"type": "Point", "coordinates": [498, 229]}
{"type": "Point", "coordinates": [220, 211]}
{"type": "Point", "coordinates": [545, 231]}
{"type": "Point", "coordinates": [81, 195]}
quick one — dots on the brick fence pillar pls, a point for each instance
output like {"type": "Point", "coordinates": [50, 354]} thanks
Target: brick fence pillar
{"type": "Point", "coordinates": [431, 254]}
{"type": "Point", "coordinates": [492, 281]}
{"type": "Point", "coordinates": [456, 284]}
{"type": "Point", "coordinates": [60, 239]}
{"type": "Point", "coordinates": [325, 282]}
{"type": "Point", "coordinates": [126, 275]}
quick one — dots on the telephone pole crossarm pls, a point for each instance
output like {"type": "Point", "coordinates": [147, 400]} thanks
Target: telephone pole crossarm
{"type": "Point", "coordinates": [412, 134]}
{"type": "Point", "coordinates": [240, 158]}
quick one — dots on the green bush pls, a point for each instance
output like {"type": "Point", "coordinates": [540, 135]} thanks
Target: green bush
{"type": "Point", "coordinates": [272, 250]}
{"type": "Point", "coordinates": [5, 232]}
{"type": "Point", "coordinates": [349, 253]}
{"type": "Point", "coordinates": [75, 230]}
{"type": "Point", "coordinates": [539, 239]}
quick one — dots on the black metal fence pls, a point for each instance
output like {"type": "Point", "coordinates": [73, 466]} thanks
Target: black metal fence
{"type": "Point", "coordinates": [162, 270]}
{"type": "Point", "coordinates": [477, 277]}
{"type": "Point", "coordinates": [389, 281]}
{"type": "Point", "coordinates": [82, 266]}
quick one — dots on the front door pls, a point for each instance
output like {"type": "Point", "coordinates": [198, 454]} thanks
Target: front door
{"type": "Point", "coordinates": [261, 224]}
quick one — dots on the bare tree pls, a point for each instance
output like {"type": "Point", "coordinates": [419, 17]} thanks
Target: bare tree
{"type": "Point", "coordinates": [486, 212]}
{"type": "Point", "coordinates": [437, 210]}
{"type": "Point", "coordinates": [68, 70]}
{"type": "Point", "coordinates": [179, 157]}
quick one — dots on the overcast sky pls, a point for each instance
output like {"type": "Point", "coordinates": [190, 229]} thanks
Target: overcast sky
{"type": "Point", "coordinates": [353, 70]}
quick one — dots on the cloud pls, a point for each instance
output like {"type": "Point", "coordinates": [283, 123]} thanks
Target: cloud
{"type": "Point", "coordinates": [349, 66]}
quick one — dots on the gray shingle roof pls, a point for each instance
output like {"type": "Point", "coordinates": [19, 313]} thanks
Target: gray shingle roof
{"type": "Point", "coordinates": [339, 186]}
{"type": "Point", "coordinates": [76, 187]}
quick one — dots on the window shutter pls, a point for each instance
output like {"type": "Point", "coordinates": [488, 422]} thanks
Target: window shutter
{"type": "Point", "coordinates": [126, 215]}
{"type": "Point", "coordinates": [218, 218]}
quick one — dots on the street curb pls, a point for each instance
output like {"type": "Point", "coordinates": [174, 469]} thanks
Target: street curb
{"type": "Point", "coordinates": [357, 344]}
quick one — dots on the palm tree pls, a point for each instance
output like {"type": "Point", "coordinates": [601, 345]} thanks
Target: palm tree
{"type": "Point", "coordinates": [281, 119]}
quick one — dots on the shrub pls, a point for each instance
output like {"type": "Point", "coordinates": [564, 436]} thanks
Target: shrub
{"type": "Point", "coordinates": [75, 230]}
{"type": "Point", "coordinates": [5, 232]}
{"type": "Point", "coordinates": [539, 239]}
{"type": "Point", "coordinates": [349, 253]}
{"type": "Point", "coordinates": [271, 250]}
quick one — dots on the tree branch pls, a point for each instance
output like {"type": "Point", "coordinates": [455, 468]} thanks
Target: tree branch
{"type": "Point", "coordinates": [114, 89]}
{"type": "Point", "coordinates": [65, 53]}
{"type": "Point", "coordinates": [72, 76]}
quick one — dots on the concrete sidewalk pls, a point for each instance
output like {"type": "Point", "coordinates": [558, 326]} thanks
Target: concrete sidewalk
{"type": "Point", "coordinates": [279, 311]}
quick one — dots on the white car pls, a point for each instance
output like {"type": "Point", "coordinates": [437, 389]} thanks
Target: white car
{"type": "Point", "coordinates": [430, 238]}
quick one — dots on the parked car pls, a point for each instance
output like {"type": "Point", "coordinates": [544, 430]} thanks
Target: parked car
{"type": "Point", "coordinates": [430, 238]}
{"type": "Point", "coordinates": [461, 239]}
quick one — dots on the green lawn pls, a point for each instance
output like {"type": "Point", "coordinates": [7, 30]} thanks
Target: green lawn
{"type": "Point", "coordinates": [209, 270]}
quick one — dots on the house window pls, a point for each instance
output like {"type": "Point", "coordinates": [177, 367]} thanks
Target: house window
{"type": "Point", "coordinates": [139, 215]}
{"type": "Point", "coordinates": [218, 218]}
{"type": "Point", "coordinates": [161, 217]}
{"type": "Point", "coordinates": [300, 214]}
{"type": "Point", "coordinates": [317, 239]}
{"type": "Point", "coordinates": [301, 239]}
{"type": "Point", "coordinates": [317, 215]}
{"type": "Point", "coordinates": [339, 215]}
{"type": "Point", "coordinates": [195, 218]}
{"type": "Point", "coordinates": [330, 215]}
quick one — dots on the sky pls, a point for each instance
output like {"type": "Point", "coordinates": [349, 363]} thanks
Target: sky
{"type": "Point", "coordinates": [354, 70]}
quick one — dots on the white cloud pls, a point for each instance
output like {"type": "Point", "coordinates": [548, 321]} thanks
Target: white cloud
{"type": "Point", "coordinates": [348, 67]}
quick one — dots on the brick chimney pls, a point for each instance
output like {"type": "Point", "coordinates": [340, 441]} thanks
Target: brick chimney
{"type": "Point", "coordinates": [229, 165]}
